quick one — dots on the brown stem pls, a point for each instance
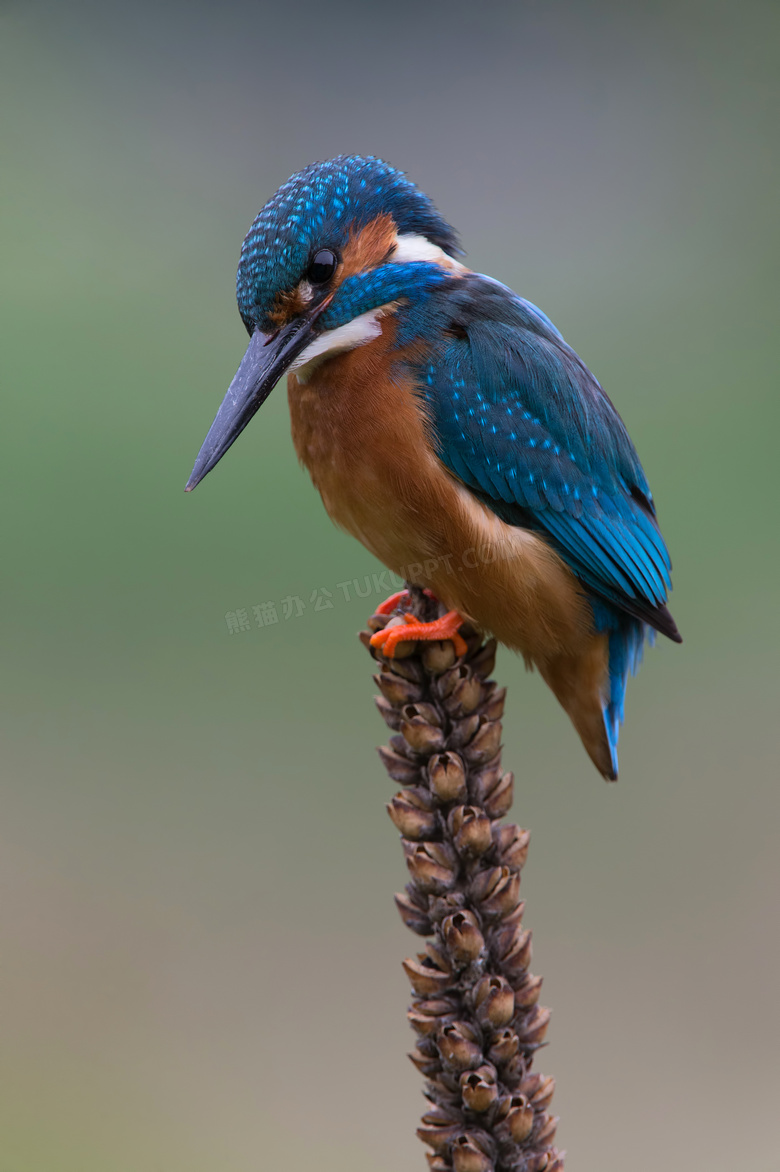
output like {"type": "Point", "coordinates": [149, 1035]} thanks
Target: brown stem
{"type": "Point", "coordinates": [475, 1008]}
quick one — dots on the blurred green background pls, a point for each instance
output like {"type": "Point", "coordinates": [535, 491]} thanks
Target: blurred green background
{"type": "Point", "coordinates": [200, 955]}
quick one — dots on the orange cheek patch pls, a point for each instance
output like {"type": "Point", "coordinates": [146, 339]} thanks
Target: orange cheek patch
{"type": "Point", "coordinates": [369, 247]}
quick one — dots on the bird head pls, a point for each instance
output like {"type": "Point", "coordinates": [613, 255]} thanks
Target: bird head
{"type": "Point", "coordinates": [339, 243]}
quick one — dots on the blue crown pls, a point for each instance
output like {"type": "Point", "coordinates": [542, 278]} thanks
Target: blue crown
{"type": "Point", "coordinates": [317, 208]}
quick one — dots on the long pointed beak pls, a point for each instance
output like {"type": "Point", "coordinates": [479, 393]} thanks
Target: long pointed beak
{"type": "Point", "coordinates": [267, 357]}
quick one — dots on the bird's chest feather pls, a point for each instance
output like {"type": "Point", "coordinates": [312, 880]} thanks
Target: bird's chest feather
{"type": "Point", "coordinates": [360, 430]}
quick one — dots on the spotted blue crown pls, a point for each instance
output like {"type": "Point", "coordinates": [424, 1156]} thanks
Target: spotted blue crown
{"type": "Point", "coordinates": [317, 208]}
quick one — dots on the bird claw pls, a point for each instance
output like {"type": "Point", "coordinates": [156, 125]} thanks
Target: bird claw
{"type": "Point", "coordinates": [447, 627]}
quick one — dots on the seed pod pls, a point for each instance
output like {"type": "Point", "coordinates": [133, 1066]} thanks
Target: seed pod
{"type": "Point", "coordinates": [503, 897]}
{"type": "Point", "coordinates": [462, 936]}
{"type": "Point", "coordinates": [437, 656]}
{"type": "Point", "coordinates": [421, 736]}
{"type": "Point", "coordinates": [520, 1118]}
{"type": "Point", "coordinates": [484, 661]}
{"type": "Point", "coordinates": [425, 978]}
{"type": "Point", "coordinates": [505, 934]}
{"type": "Point", "coordinates": [472, 831]}
{"type": "Point", "coordinates": [533, 1029]}
{"type": "Point", "coordinates": [410, 819]}
{"type": "Point", "coordinates": [431, 865]}
{"type": "Point", "coordinates": [478, 1088]}
{"type": "Point", "coordinates": [485, 882]}
{"type": "Point", "coordinates": [466, 694]}
{"type": "Point", "coordinates": [548, 1125]}
{"type": "Point", "coordinates": [528, 993]}
{"type": "Point", "coordinates": [542, 1092]}
{"type": "Point", "coordinates": [447, 777]}
{"type": "Point", "coordinates": [426, 1064]}
{"type": "Point", "coordinates": [494, 1001]}
{"type": "Point", "coordinates": [499, 800]}
{"type": "Point", "coordinates": [517, 960]}
{"type": "Point", "coordinates": [512, 845]}
{"type": "Point", "coordinates": [428, 1016]}
{"type": "Point", "coordinates": [483, 781]}
{"type": "Point", "coordinates": [493, 708]}
{"type": "Point", "coordinates": [439, 1137]}
{"type": "Point", "coordinates": [505, 1046]}
{"type": "Point", "coordinates": [485, 743]}
{"type": "Point", "coordinates": [539, 1163]}
{"type": "Point", "coordinates": [458, 1046]}
{"type": "Point", "coordinates": [400, 768]}
{"type": "Point", "coordinates": [467, 1157]}
{"type": "Point", "coordinates": [412, 916]}
{"type": "Point", "coordinates": [396, 690]}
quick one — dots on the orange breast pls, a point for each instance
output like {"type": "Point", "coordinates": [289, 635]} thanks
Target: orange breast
{"type": "Point", "coordinates": [362, 433]}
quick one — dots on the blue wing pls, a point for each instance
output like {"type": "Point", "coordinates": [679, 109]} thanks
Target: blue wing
{"type": "Point", "coordinates": [524, 424]}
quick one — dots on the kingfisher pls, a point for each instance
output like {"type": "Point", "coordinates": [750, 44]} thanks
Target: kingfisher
{"type": "Point", "coordinates": [450, 428]}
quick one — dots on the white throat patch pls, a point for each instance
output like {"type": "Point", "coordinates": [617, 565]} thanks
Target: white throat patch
{"type": "Point", "coordinates": [357, 332]}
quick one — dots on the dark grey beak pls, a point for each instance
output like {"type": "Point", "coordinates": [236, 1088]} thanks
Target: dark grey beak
{"type": "Point", "coordinates": [267, 358]}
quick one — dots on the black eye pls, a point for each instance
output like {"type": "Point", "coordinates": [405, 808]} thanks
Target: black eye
{"type": "Point", "coordinates": [322, 266]}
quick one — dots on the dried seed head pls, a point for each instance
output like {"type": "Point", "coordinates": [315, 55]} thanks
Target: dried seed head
{"type": "Point", "coordinates": [503, 897]}
{"type": "Point", "coordinates": [485, 743]}
{"type": "Point", "coordinates": [517, 960]}
{"type": "Point", "coordinates": [458, 1046]}
{"type": "Point", "coordinates": [447, 777]}
{"type": "Point", "coordinates": [439, 1137]}
{"type": "Point", "coordinates": [462, 936]}
{"type": "Point", "coordinates": [430, 866]}
{"type": "Point", "coordinates": [548, 1125]}
{"type": "Point", "coordinates": [397, 691]}
{"type": "Point", "coordinates": [520, 1118]}
{"type": "Point", "coordinates": [504, 1047]}
{"type": "Point", "coordinates": [421, 736]}
{"type": "Point", "coordinates": [399, 767]}
{"type": "Point", "coordinates": [512, 845]}
{"type": "Point", "coordinates": [472, 830]}
{"type": "Point", "coordinates": [528, 993]}
{"type": "Point", "coordinates": [493, 707]}
{"type": "Point", "coordinates": [541, 1092]}
{"type": "Point", "coordinates": [412, 916]}
{"type": "Point", "coordinates": [410, 819]}
{"type": "Point", "coordinates": [539, 1163]}
{"type": "Point", "coordinates": [485, 882]}
{"type": "Point", "coordinates": [494, 1000]}
{"type": "Point", "coordinates": [425, 978]}
{"type": "Point", "coordinates": [465, 695]}
{"type": "Point", "coordinates": [425, 1063]}
{"type": "Point", "coordinates": [467, 1157]}
{"type": "Point", "coordinates": [533, 1029]}
{"type": "Point", "coordinates": [484, 661]}
{"type": "Point", "coordinates": [478, 1089]}
{"type": "Point", "coordinates": [438, 657]}
{"type": "Point", "coordinates": [499, 800]}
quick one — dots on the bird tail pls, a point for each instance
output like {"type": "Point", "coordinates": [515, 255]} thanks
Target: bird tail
{"type": "Point", "coordinates": [591, 687]}
{"type": "Point", "coordinates": [626, 645]}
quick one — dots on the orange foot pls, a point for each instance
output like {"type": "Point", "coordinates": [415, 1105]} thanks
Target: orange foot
{"type": "Point", "coordinates": [444, 628]}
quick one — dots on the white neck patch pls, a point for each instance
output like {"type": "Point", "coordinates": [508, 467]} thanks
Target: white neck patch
{"type": "Point", "coordinates": [357, 332]}
{"type": "Point", "coordinates": [409, 248]}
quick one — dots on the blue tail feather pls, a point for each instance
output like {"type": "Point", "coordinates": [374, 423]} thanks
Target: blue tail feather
{"type": "Point", "coordinates": [626, 644]}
